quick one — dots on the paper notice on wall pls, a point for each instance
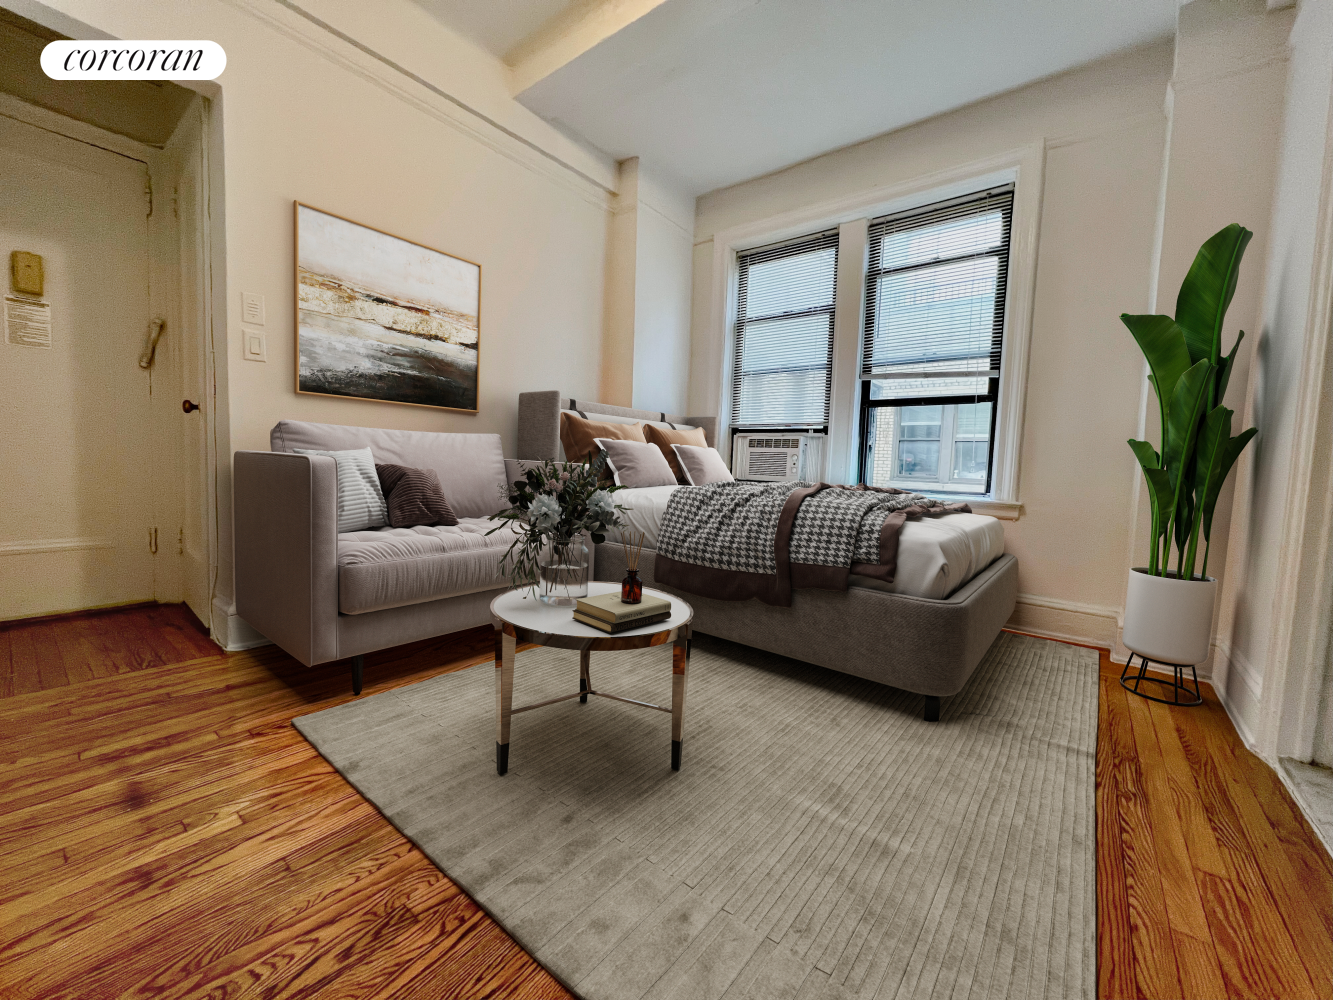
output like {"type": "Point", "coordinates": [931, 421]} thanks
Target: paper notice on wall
{"type": "Point", "coordinates": [27, 322]}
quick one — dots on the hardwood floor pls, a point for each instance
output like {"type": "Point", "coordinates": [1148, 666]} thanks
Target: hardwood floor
{"type": "Point", "coordinates": [1210, 883]}
{"type": "Point", "coordinates": [164, 831]}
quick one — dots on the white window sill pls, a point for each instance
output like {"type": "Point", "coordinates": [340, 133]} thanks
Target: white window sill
{"type": "Point", "coordinates": [1005, 510]}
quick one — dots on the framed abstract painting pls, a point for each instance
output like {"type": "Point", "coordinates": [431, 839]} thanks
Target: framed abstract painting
{"type": "Point", "coordinates": [380, 317]}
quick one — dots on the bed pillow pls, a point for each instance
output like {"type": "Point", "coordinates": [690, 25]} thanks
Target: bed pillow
{"type": "Point", "coordinates": [414, 496]}
{"type": "Point", "coordinates": [360, 499]}
{"type": "Point", "coordinates": [635, 464]}
{"type": "Point", "coordinates": [665, 437]}
{"type": "Point", "coordinates": [702, 465]}
{"type": "Point", "coordinates": [579, 436]}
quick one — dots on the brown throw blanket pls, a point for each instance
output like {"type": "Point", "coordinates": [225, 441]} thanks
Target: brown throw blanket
{"type": "Point", "coordinates": [733, 541]}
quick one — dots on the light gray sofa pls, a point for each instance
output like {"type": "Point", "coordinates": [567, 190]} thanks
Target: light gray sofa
{"type": "Point", "coordinates": [324, 596]}
{"type": "Point", "coordinates": [919, 644]}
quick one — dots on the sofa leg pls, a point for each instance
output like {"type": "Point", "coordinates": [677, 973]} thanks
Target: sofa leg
{"type": "Point", "coordinates": [357, 663]}
{"type": "Point", "coordinates": [932, 713]}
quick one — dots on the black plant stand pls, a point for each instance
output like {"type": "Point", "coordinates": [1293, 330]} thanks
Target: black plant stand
{"type": "Point", "coordinates": [1176, 684]}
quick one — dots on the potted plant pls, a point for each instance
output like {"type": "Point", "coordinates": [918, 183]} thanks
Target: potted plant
{"type": "Point", "coordinates": [1169, 611]}
{"type": "Point", "coordinates": [549, 511]}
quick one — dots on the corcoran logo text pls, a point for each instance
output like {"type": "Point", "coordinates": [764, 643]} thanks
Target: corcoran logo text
{"type": "Point", "coordinates": [83, 60]}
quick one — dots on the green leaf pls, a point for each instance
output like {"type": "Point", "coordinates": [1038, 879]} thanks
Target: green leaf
{"type": "Point", "coordinates": [1163, 345]}
{"type": "Point", "coordinates": [1224, 370]}
{"type": "Point", "coordinates": [1205, 294]}
{"type": "Point", "coordinates": [1159, 493]}
{"type": "Point", "coordinates": [1230, 452]}
{"type": "Point", "coordinates": [1182, 423]}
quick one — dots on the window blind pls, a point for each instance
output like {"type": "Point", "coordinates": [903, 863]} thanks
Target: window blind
{"type": "Point", "coordinates": [784, 333]}
{"type": "Point", "coordinates": [935, 300]}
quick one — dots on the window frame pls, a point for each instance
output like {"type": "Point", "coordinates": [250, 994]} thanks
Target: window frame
{"type": "Point", "coordinates": [806, 243]}
{"type": "Point", "coordinates": [992, 394]}
{"type": "Point", "coordinates": [1024, 166]}
{"type": "Point", "coordinates": [949, 435]}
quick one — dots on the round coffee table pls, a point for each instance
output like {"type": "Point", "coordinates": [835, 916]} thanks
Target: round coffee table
{"type": "Point", "coordinates": [521, 617]}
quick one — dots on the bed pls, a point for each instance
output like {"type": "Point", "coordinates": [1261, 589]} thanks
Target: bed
{"type": "Point", "coordinates": [924, 632]}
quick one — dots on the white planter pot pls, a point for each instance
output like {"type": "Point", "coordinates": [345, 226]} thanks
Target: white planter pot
{"type": "Point", "coordinates": [1169, 620]}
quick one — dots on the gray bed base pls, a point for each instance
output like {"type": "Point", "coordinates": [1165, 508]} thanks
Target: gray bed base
{"type": "Point", "coordinates": [919, 644]}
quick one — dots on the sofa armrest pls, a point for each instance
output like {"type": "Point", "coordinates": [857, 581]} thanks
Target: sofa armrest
{"type": "Point", "coordinates": [286, 531]}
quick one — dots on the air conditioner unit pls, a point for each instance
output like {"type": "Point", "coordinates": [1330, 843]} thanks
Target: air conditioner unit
{"type": "Point", "coordinates": [770, 458]}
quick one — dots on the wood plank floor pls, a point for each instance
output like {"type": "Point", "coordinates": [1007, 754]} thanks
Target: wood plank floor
{"type": "Point", "coordinates": [165, 832]}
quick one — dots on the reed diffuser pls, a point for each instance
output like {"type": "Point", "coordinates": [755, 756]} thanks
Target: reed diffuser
{"type": "Point", "coordinates": [631, 588]}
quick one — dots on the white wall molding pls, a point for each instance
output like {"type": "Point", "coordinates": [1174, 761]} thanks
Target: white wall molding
{"type": "Point", "coordinates": [232, 632]}
{"type": "Point", "coordinates": [1074, 607]}
{"type": "Point", "coordinates": [1295, 657]}
{"type": "Point", "coordinates": [37, 545]}
{"type": "Point", "coordinates": [1107, 129]}
{"type": "Point", "coordinates": [1236, 707]}
{"type": "Point", "coordinates": [356, 57]}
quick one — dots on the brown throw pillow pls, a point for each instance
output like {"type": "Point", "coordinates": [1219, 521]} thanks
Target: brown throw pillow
{"type": "Point", "coordinates": [665, 437]}
{"type": "Point", "coordinates": [578, 436]}
{"type": "Point", "coordinates": [414, 497]}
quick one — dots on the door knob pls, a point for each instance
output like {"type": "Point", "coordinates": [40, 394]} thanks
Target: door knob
{"type": "Point", "coordinates": [189, 407]}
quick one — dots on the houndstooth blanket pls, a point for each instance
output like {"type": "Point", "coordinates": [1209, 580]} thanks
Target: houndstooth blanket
{"type": "Point", "coordinates": [733, 541]}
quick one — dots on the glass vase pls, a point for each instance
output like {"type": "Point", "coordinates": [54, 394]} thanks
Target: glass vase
{"type": "Point", "coordinates": [562, 571]}
{"type": "Point", "coordinates": [631, 588]}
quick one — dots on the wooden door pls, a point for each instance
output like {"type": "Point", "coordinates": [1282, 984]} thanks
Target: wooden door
{"type": "Point", "coordinates": [76, 511]}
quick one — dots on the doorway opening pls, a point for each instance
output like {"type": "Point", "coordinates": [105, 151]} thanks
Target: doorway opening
{"type": "Point", "coordinates": [106, 362]}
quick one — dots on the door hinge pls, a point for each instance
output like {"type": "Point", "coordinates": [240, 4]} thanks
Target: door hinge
{"type": "Point", "coordinates": [148, 193]}
{"type": "Point", "coordinates": [176, 202]}
{"type": "Point", "coordinates": [152, 540]}
{"type": "Point", "coordinates": [180, 543]}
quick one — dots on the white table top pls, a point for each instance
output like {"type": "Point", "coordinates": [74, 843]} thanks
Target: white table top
{"type": "Point", "coordinates": [523, 609]}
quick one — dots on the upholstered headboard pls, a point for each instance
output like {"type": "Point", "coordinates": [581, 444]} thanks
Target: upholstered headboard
{"type": "Point", "coordinates": [539, 421]}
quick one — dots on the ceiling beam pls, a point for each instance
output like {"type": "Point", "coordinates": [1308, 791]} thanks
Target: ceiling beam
{"type": "Point", "coordinates": [566, 37]}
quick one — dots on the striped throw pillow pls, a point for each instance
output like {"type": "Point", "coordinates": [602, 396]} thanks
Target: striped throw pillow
{"type": "Point", "coordinates": [360, 502]}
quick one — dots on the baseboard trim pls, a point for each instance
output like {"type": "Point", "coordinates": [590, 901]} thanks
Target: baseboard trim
{"type": "Point", "coordinates": [53, 545]}
{"type": "Point", "coordinates": [1075, 607]}
{"type": "Point", "coordinates": [232, 632]}
{"type": "Point", "coordinates": [1254, 688]}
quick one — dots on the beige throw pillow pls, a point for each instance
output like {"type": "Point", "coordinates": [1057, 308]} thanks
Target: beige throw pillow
{"type": "Point", "coordinates": [665, 437]}
{"type": "Point", "coordinates": [702, 465]}
{"type": "Point", "coordinates": [635, 464]}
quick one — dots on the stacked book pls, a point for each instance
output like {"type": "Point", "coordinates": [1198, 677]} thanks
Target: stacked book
{"type": "Point", "coordinates": [610, 614]}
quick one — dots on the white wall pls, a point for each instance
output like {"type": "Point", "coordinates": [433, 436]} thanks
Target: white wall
{"type": "Point", "coordinates": [646, 353]}
{"type": "Point", "coordinates": [308, 116]}
{"type": "Point", "coordinates": [1103, 131]}
{"type": "Point", "coordinates": [1226, 100]}
{"type": "Point", "coordinates": [662, 301]}
{"type": "Point", "coordinates": [1285, 475]}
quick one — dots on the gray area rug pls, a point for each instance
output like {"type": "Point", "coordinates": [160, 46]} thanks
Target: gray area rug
{"type": "Point", "coordinates": [821, 840]}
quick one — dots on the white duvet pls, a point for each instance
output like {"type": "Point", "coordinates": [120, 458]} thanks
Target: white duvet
{"type": "Point", "coordinates": [936, 555]}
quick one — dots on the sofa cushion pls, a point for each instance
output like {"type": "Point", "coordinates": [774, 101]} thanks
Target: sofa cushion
{"type": "Point", "coordinates": [394, 567]}
{"type": "Point", "coordinates": [414, 497]}
{"type": "Point", "coordinates": [471, 467]}
{"type": "Point", "coordinates": [360, 499]}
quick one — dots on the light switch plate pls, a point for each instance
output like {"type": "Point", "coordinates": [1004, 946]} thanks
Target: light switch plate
{"type": "Point", "coordinates": [254, 345]}
{"type": "Point", "coordinates": [252, 308]}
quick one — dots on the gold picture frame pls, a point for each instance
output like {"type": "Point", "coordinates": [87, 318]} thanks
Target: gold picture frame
{"type": "Point", "coordinates": [383, 318]}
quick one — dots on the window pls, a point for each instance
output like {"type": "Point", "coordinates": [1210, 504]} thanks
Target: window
{"type": "Point", "coordinates": [784, 334]}
{"type": "Point", "coordinates": [934, 325]}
